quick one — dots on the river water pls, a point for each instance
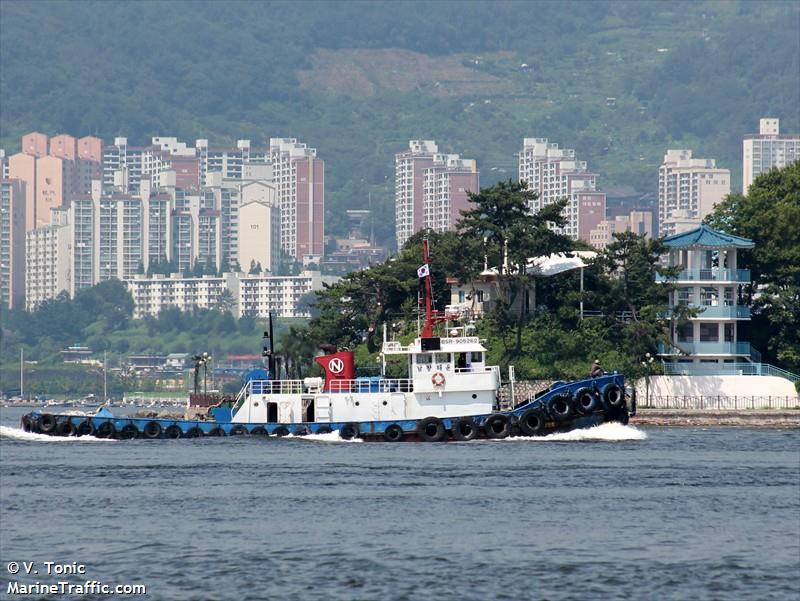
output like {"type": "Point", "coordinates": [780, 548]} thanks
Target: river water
{"type": "Point", "coordinates": [614, 513]}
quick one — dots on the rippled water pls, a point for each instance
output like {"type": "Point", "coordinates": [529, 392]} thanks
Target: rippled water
{"type": "Point", "coordinates": [617, 513]}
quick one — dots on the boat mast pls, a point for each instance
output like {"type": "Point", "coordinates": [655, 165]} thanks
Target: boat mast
{"type": "Point", "coordinates": [427, 331]}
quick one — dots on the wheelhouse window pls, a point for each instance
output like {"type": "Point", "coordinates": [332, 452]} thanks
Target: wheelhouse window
{"type": "Point", "coordinates": [424, 359]}
{"type": "Point", "coordinates": [477, 357]}
{"type": "Point", "coordinates": [442, 358]}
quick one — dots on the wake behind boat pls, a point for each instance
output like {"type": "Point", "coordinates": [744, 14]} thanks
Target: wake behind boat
{"type": "Point", "coordinates": [447, 393]}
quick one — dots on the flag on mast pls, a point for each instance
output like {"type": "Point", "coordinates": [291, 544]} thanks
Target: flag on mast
{"type": "Point", "coordinates": [423, 271]}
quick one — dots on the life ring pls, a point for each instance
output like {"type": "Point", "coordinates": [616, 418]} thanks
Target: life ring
{"type": "Point", "coordinates": [464, 429]}
{"type": "Point", "coordinates": [238, 430]}
{"type": "Point", "coordinates": [393, 433]}
{"type": "Point", "coordinates": [47, 423]}
{"type": "Point", "coordinates": [152, 430]}
{"type": "Point", "coordinates": [349, 431]}
{"type": "Point", "coordinates": [532, 422]}
{"type": "Point", "coordinates": [497, 426]}
{"type": "Point", "coordinates": [612, 395]}
{"type": "Point", "coordinates": [560, 407]}
{"type": "Point", "coordinates": [85, 428]}
{"type": "Point", "coordinates": [585, 400]}
{"type": "Point", "coordinates": [438, 379]}
{"type": "Point", "coordinates": [129, 431]}
{"type": "Point", "coordinates": [173, 431]}
{"type": "Point", "coordinates": [431, 429]}
{"type": "Point", "coordinates": [105, 430]}
{"type": "Point", "coordinates": [65, 428]}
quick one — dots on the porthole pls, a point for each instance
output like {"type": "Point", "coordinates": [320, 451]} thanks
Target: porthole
{"type": "Point", "coordinates": [474, 396]}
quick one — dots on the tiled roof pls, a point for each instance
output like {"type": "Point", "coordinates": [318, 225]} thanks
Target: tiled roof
{"type": "Point", "coordinates": [705, 237]}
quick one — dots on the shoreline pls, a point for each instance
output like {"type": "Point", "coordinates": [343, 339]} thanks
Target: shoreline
{"type": "Point", "coordinates": [742, 418]}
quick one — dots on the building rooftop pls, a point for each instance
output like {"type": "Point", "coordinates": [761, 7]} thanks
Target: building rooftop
{"type": "Point", "coordinates": [705, 237]}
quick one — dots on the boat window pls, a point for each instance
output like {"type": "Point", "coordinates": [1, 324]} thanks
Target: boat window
{"type": "Point", "coordinates": [442, 358]}
{"type": "Point", "coordinates": [423, 359]}
{"type": "Point", "coordinates": [477, 357]}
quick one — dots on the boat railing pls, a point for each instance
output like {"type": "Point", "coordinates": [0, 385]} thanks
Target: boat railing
{"type": "Point", "coordinates": [276, 387]}
{"type": "Point", "coordinates": [362, 386]}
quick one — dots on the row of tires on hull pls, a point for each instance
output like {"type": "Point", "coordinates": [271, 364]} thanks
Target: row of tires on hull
{"type": "Point", "coordinates": [51, 425]}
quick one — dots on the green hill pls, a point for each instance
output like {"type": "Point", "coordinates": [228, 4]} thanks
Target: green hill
{"type": "Point", "coordinates": [357, 80]}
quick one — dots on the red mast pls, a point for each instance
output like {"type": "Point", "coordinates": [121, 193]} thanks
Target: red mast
{"type": "Point", "coordinates": [427, 330]}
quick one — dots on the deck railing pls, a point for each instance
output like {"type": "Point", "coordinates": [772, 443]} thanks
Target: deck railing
{"type": "Point", "coordinates": [738, 368]}
{"type": "Point", "coordinates": [711, 274]}
{"type": "Point", "coordinates": [719, 402]}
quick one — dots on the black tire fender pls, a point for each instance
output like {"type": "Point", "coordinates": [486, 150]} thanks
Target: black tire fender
{"type": "Point", "coordinates": [531, 423]}
{"type": "Point", "coordinates": [173, 431]}
{"type": "Point", "coordinates": [65, 428]}
{"type": "Point", "coordinates": [128, 432]}
{"type": "Point", "coordinates": [393, 433]}
{"type": "Point", "coordinates": [465, 429]}
{"type": "Point", "coordinates": [497, 426]}
{"type": "Point", "coordinates": [152, 430]}
{"type": "Point", "coordinates": [47, 423]}
{"type": "Point", "coordinates": [238, 430]}
{"type": "Point", "coordinates": [613, 395]}
{"type": "Point", "coordinates": [431, 429]}
{"type": "Point", "coordinates": [85, 428]}
{"type": "Point", "coordinates": [560, 407]}
{"type": "Point", "coordinates": [585, 400]}
{"type": "Point", "coordinates": [349, 430]}
{"type": "Point", "coordinates": [105, 430]}
{"type": "Point", "coordinates": [216, 431]}
{"type": "Point", "coordinates": [324, 430]}
{"type": "Point", "coordinates": [259, 431]}
{"type": "Point", "coordinates": [195, 432]}
{"type": "Point", "coordinates": [281, 431]}
{"type": "Point", "coordinates": [25, 422]}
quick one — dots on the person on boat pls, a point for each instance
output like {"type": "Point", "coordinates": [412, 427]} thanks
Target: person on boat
{"type": "Point", "coordinates": [596, 369]}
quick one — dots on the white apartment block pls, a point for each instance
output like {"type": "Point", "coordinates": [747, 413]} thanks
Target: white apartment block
{"type": "Point", "coordinates": [259, 225]}
{"type": "Point", "coordinates": [767, 150]}
{"type": "Point", "coordinates": [431, 189]}
{"type": "Point", "coordinates": [688, 189]}
{"type": "Point", "coordinates": [409, 169]}
{"type": "Point", "coordinates": [554, 174]}
{"type": "Point", "coordinates": [48, 268]}
{"type": "Point", "coordinates": [12, 243]}
{"type": "Point", "coordinates": [300, 178]}
{"type": "Point", "coordinates": [446, 187]}
{"type": "Point", "coordinates": [254, 295]}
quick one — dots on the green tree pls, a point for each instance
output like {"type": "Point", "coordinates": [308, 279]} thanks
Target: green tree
{"type": "Point", "coordinates": [769, 216]}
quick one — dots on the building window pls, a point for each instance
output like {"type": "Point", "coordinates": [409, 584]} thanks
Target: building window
{"type": "Point", "coordinates": [709, 332]}
{"type": "Point", "coordinates": [685, 333]}
{"type": "Point", "coordinates": [685, 296]}
{"type": "Point", "coordinates": [730, 329]}
{"type": "Point", "coordinates": [709, 297]}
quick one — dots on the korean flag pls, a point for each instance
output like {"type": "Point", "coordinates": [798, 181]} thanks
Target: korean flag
{"type": "Point", "coordinates": [423, 271]}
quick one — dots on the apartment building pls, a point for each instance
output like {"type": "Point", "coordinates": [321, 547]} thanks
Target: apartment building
{"type": "Point", "coordinates": [48, 255]}
{"type": "Point", "coordinates": [767, 150]}
{"type": "Point", "coordinates": [254, 295]}
{"type": "Point", "coordinates": [554, 174]}
{"type": "Point", "coordinates": [638, 222]}
{"type": "Point", "coordinates": [431, 189]}
{"type": "Point", "coordinates": [688, 189]}
{"type": "Point", "coordinates": [300, 178]}
{"type": "Point", "coordinates": [12, 243]}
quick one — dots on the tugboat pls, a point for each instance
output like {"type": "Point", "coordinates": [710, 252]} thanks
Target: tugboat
{"type": "Point", "coordinates": [449, 393]}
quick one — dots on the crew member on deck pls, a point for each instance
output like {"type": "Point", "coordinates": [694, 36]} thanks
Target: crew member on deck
{"type": "Point", "coordinates": [596, 369]}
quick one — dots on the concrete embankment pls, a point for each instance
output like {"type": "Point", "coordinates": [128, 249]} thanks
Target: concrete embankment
{"type": "Point", "coordinates": [711, 418]}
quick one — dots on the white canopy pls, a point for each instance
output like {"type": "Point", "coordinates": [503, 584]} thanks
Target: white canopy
{"type": "Point", "coordinates": [559, 262]}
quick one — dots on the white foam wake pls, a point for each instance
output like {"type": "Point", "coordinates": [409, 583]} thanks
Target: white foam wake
{"type": "Point", "coordinates": [329, 437]}
{"type": "Point", "coordinates": [19, 434]}
{"type": "Point", "coordinates": [609, 431]}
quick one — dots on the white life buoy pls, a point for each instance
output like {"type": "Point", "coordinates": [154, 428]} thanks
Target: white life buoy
{"type": "Point", "coordinates": [438, 379]}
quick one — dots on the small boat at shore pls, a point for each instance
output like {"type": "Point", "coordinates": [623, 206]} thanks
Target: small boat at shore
{"type": "Point", "coordinates": [448, 392]}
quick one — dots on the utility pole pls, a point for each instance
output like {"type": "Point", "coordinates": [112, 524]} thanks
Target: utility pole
{"type": "Point", "coordinates": [21, 373]}
{"type": "Point", "coordinates": [105, 377]}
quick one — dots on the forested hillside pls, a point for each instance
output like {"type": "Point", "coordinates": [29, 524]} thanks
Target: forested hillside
{"type": "Point", "coordinates": [357, 80]}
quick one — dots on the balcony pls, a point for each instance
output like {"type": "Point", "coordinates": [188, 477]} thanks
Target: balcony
{"type": "Point", "coordinates": [712, 274]}
{"type": "Point", "coordinates": [720, 312]}
{"type": "Point", "coordinates": [707, 348]}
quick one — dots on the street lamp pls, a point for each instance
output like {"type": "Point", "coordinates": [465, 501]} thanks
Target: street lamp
{"type": "Point", "coordinates": [648, 369]}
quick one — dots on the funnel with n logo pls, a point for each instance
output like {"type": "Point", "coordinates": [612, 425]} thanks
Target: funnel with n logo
{"type": "Point", "coordinates": [339, 370]}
